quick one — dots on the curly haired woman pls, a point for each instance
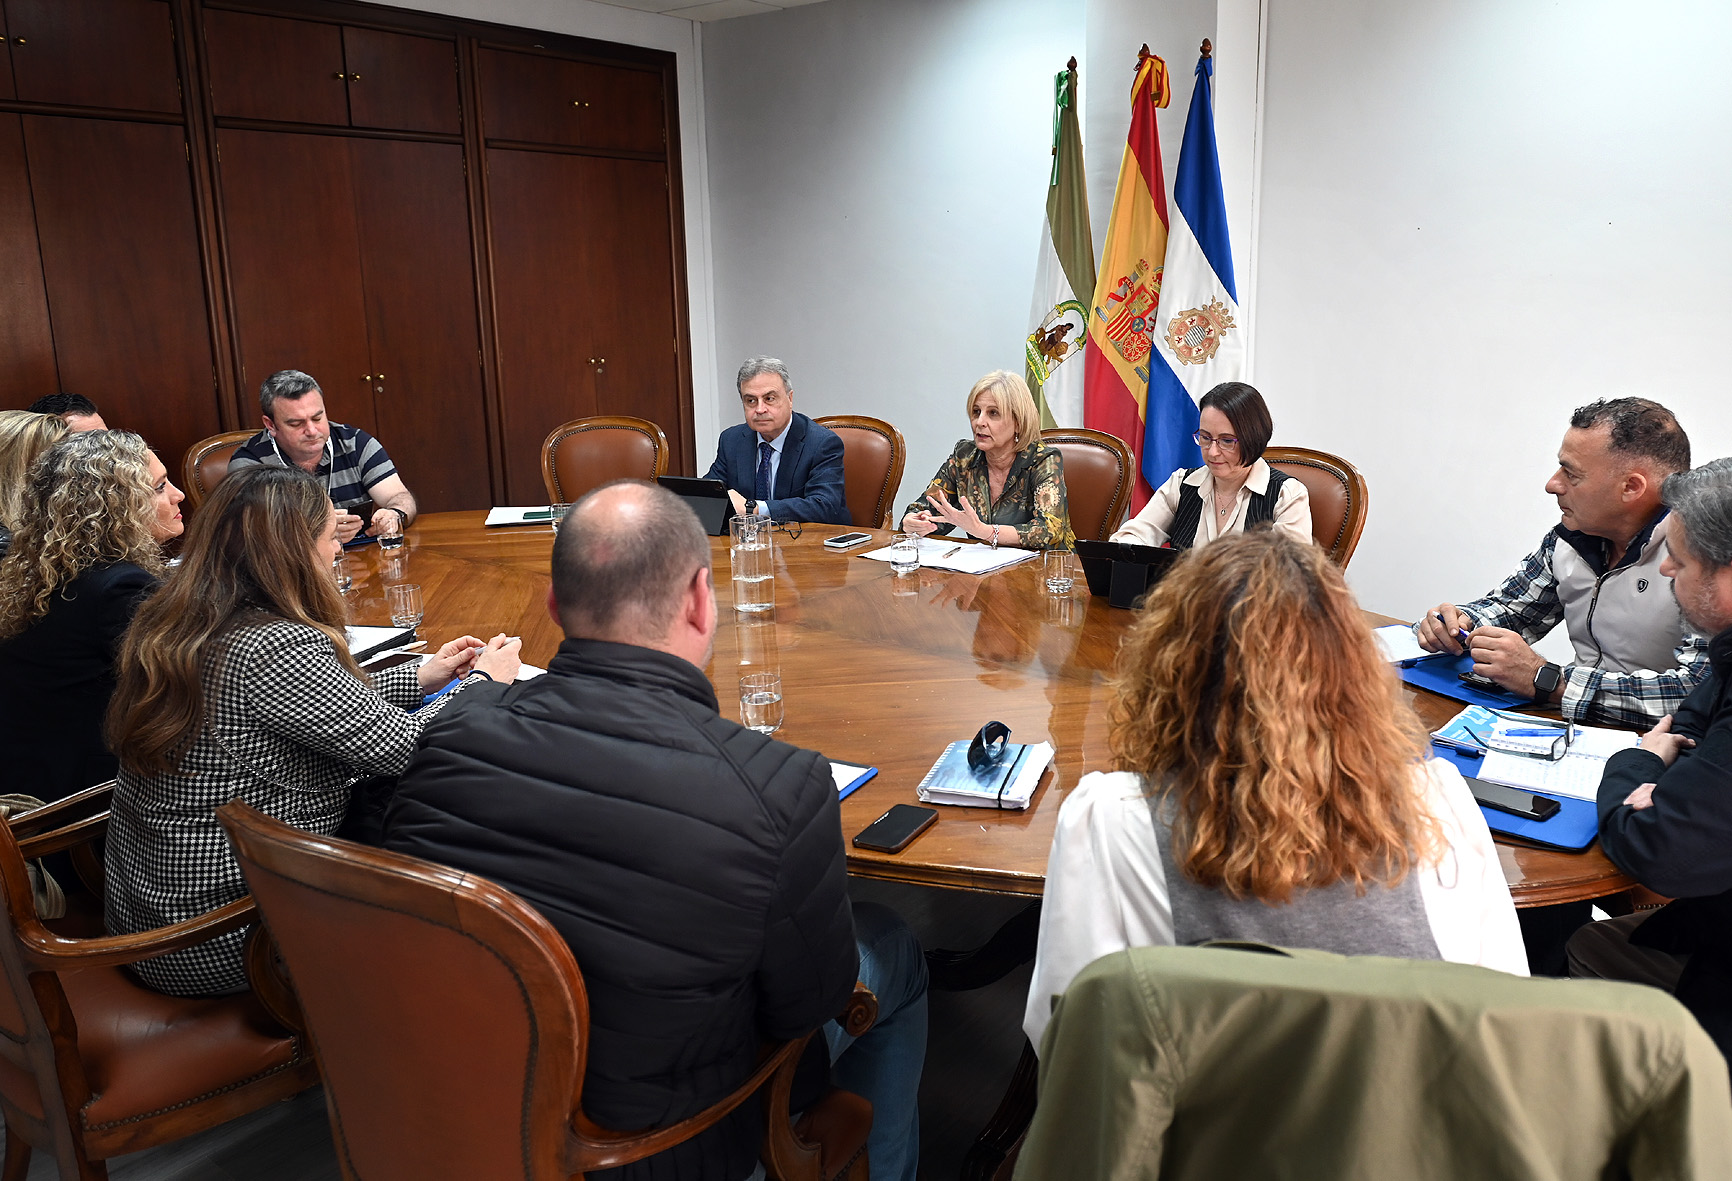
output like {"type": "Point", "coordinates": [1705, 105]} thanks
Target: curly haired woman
{"type": "Point", "coordinates": [1271, 785]}
{"type": "Point", "coordinates": [94, 512]}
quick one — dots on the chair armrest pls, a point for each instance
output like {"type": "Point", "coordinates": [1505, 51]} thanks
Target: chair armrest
{"type": "Point", "coordinates": [42, 949]}
{"type": "Point", "coordinates": [79, 832]}
{"type": "Point", "coordinates": [860, 1013]}
{"type": "Point", "coordinates": [590, 1147]}
{"type": "Point", "coordinates": [78, 806]}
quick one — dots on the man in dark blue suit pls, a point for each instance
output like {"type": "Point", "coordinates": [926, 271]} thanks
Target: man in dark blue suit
{"type": "Point", "coordinates": [779, 464]}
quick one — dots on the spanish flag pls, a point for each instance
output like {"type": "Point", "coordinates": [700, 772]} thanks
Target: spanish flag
{"type": "Point", "coordinates": [1128, 286]}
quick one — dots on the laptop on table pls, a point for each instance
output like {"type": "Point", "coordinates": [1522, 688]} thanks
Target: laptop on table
{"type": "Point", "coordinates": [707, 498]}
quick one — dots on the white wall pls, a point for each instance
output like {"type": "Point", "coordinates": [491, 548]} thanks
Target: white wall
{"type": "Point", "coordinates": [878, 179]}
{"type": "Point", "coordinates": [582, 18]}
{"type": "Point", "coordinates": [1476, 217]}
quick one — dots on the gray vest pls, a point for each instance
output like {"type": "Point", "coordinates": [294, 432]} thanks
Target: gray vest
{"type": "Point", "coordinates": [1626, 619]}
{"type": "Point", "coordinates": [1385, 921]}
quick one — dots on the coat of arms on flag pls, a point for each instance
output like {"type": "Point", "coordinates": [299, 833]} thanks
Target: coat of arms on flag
{"type": "Point", "coordinates": [1059, 337]}
{"type": "Point", "coordinates": [1195, 335]}
{"type": "Point", "coordinates": [1129, 312]}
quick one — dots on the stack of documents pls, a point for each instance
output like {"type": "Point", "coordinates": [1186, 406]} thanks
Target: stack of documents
{"type": "Point", "coordinates": [1010, 784]}
{"type": "Point", "coordinates": [533, 514]}
{"type": "Point", "coordinates": [1518, 759]}
{"type": "Point", "coordinates": [965, 557]}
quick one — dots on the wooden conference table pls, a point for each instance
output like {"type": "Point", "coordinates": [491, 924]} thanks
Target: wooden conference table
{"type": "Point", "coordinates": [883, 671]}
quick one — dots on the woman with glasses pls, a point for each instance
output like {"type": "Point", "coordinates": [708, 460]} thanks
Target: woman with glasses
{"type": "Point", "coordinates": [1233, 490]}
{"type": "Point", "coordinates": [1003, 485]}
{"type": "Point", "coordinates": [1269, 784]}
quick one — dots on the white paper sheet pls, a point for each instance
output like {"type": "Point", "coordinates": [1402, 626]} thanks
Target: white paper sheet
{"type": "Point", "coordinates": [499, 515]}
{"type": "Point", "coordinates": [961, 556]}
{"type": "Point", "coordinates": [1398, 643]}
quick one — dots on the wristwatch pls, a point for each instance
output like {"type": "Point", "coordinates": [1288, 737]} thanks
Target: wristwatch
{"type": "Point", "coordinates": [1547, 680]}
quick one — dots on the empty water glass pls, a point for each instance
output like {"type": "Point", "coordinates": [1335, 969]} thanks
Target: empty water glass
{"type": "Point", "coordinates": [905, 553]}
{"type": "Point", "coordinates": [556, 515]}
{"type": "Point", "coordinates": [405, 603]}
{"type": "Point", "coordinates": [1060, 571]}
{"type": "Point", "coordinates": [761, 702]}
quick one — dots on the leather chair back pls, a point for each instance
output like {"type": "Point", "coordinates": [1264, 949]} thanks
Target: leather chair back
{"type": "Point", "coordinates": [92, 1063]}
{"type": "Point", "coordinates": [451, 1022]}
{"type": "Point", "coordinates": [1339, 496]}
{"type": "Point", "coordinates": [586, 453]}
{"type": "Point", "coordinates": [207, 462]}
{"type": "Point", "coordinates": [1098, 474]}
{"type": "Point", "coordinates": [873, 455]}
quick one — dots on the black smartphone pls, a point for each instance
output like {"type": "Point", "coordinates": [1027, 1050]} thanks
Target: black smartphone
{"type": "Point", "coordinates": [1514, 801]}
{"type": "Point", "coordinates": [1475, 681]}
{"type": "Point", "coordinates": [896, 829]}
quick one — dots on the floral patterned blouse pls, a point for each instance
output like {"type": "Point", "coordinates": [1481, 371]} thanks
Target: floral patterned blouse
{"type": "Point", "coordinates": [1033, 500]}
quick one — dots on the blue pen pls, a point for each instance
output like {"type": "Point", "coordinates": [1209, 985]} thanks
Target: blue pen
{"type": "Point", "coordinates": [1549, 733]}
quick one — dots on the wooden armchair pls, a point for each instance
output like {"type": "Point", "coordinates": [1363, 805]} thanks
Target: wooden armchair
{"type": "Point", "coordinates": [407, 971]}
{"type": "Point", "coordinates": [92, 1063]}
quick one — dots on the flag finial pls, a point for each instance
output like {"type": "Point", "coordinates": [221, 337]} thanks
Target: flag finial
{"type": "Point", "coordinates": [1208, 49]}
{"type": "Point", "coordinates": [1071, 65]}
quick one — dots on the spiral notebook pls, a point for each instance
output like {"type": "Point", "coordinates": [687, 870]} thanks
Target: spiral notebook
{"type": "Point", "coordinates": [1009, 784]}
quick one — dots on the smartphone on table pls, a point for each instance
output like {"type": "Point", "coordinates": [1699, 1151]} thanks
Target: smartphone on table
{"type": "Point", "coordinates": [846, 540]}
{"type": "Point", "coordinates": [896, 829]}
{"type": "Point", "coordinates": [1513, 800]}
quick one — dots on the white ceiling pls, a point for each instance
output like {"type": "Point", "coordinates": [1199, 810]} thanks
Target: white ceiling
{"type": "Point", "coordinates": [709, 10]}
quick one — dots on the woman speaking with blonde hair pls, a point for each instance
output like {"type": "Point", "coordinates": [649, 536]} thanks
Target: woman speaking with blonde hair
{"type": "Point", "coordinates": [236, 682]}
{"type": "Point", "coordinates": [1002, 485]}
{"type": "Point", "coordinates": [1270, 785]}
{"type": "Point", "coordinates": [94, 512]}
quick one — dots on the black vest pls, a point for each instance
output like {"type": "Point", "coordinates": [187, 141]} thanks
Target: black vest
{"type": "Point", "coordinates": [1190, 511]}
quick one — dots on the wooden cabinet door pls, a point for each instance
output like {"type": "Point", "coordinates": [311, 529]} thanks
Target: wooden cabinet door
{"type": "Point", "coordinates": [270, 67]}
{"type": "Point", "coordinates": [631, 277]}
{"type": "Point", "coordinates": [295, 267]}
{"type": "Point", "coordinates": [94, 53]}
{"type": "Point", "coordinates": [528, 98]}
{"type": "Point", "coordinates": [541, 264]}
{"type": "Point", "coordinates": [402, 82]}
{"type": "Point", "coordinates": [419, 281]}
{"type": "Point", "coordinates": [26, 342]}
{"type": "Point", "coordinates": [6, 88]}
{"type": "Point", "coordinates": [120, 260]}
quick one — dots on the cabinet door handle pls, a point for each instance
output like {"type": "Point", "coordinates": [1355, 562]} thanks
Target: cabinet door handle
{"type": "Point", "coordinates": [577, 102]}
{"type": "Point", "coordinates": [340, 77]}
{"type": "Point", "coordinates": [366, 377]}
{"type": "Point", "coordinates": [15, 40]}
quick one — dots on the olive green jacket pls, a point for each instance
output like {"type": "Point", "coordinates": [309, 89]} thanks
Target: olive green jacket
{"type": "Point", "coordinates": [1217, 1062]}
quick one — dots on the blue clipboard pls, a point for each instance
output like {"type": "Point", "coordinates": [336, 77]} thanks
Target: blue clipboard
{"type": "Point", "coordinates": [1442, 675]}
{"type": "Point", "coordinates": [1572, 830]}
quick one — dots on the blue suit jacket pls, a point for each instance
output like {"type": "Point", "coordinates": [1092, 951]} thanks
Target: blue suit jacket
{"type": "Point", "coordinates": [808, 478]}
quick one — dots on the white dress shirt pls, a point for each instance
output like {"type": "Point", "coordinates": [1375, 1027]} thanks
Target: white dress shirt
{"type": "Point", "coordinates": [1149, 527]}
{"type": "Point", "coordinates": [1106, 884]}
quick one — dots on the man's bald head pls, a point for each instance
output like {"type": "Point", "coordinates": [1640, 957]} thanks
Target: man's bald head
{"type": "Point", "coordinates": [623, 562]}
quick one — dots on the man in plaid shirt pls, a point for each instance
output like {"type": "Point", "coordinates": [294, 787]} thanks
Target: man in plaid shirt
{"type": "Point", "coordinates": [1598, 571]}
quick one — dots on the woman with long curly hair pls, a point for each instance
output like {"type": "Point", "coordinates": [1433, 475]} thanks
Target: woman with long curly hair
{"type": "Point", "coordinates": [94, 512]}
{"type": "Point", "coordinates": [1270, 784]}
{"type": "Point", "coordinates": [23, 436]}
{"type": "Point", "coordinates": [236, 681]}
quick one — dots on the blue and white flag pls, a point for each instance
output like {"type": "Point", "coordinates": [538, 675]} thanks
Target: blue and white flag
{"type": "Point", "coordinates": [1199, 340]}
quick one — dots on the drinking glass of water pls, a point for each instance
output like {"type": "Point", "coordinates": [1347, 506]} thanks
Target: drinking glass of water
{"type": "Point", "coordinates": [905, 553]}
{"type": "Point", "coordinates": [753, 564]}
{"type": "Point", "coordinates": [761, 702]}
{"type": "Point", "coordinates": [390, 527]}
{"type": "Point", "coordinates": [1060, 571]}
{"type": "Point", "coordinates": [344, 576]}
{"type": "Point", "coordinates": [405, 602]}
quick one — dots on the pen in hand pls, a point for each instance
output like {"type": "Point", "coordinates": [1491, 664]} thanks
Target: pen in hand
{"type": "Point", "coordinates": [1460, 633]}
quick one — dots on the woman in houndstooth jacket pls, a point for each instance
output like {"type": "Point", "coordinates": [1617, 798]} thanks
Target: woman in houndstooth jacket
{"type": "Point", "coordinates": [236, 682]}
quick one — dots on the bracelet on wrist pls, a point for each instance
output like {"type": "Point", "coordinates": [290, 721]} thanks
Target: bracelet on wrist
{"type": "Point", "coordinates": [476, 672]}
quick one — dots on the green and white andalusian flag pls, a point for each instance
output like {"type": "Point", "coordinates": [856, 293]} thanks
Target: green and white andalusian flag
{"type": "Point", "coordinates": [1058, 323]}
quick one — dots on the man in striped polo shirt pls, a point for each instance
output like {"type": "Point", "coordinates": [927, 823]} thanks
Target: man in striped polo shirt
{"type": "Point", "coordinates": [362, 481]}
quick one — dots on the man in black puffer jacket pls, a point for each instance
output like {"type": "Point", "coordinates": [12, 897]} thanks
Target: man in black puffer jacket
{"type": "Point", "coordinates": [696, 868]}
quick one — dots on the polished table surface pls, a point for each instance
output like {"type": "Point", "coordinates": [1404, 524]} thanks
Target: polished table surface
{"type": "Point", "coordinates": [884, 671]}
